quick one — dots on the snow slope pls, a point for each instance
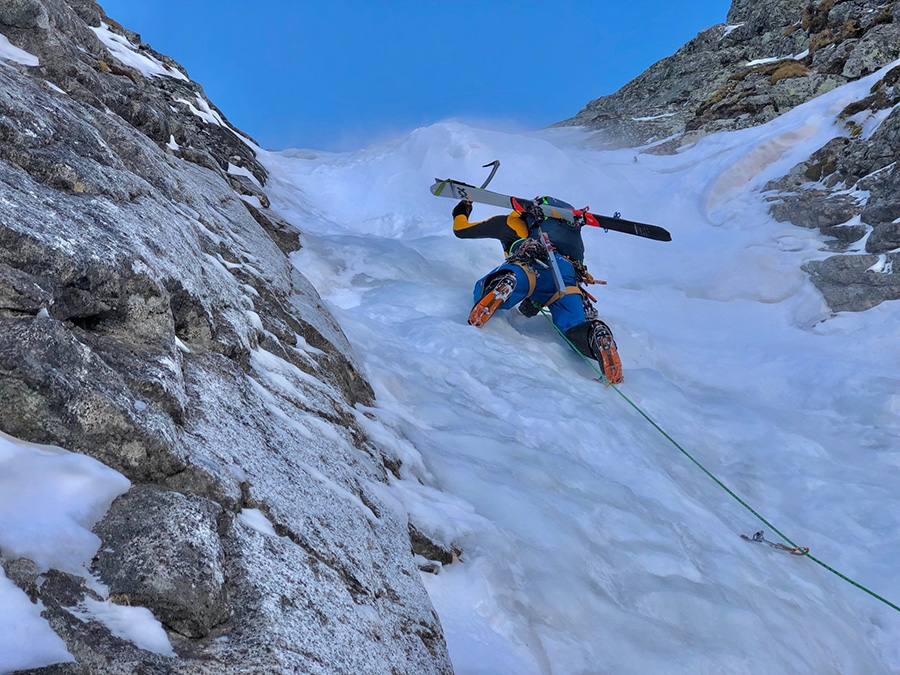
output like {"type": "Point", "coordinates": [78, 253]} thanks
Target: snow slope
{"type": "Point", "coordinates": [590, 543]}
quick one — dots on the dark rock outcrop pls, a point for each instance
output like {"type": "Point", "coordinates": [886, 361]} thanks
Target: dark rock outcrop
{"type": "Point", "coordinates": [161, 550]}
{"type": "Point", "coordinates": [850, 190]}
{"type": "Point", "coordinates": [768, 57]}
{"type": "Point", "coordinates": [150, 318]}
{"type": "Point", "coordinates": [771, 56]}
{"type": "Point", "coordinates": [850, 283]}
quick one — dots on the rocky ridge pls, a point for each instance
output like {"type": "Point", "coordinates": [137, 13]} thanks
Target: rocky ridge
{"type": "Point", "coordinates": [150, 318]}
{"type": "Point", "coordinates": [769, 57]}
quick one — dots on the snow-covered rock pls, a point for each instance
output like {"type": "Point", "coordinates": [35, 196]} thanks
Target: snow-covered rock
{"type": "Point", "coordinates": [149, 320]}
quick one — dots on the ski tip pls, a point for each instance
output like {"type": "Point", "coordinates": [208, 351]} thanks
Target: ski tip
{"type": "Point", "coordinates": [438, 187]}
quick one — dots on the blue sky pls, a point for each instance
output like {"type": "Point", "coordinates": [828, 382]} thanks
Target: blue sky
{"type": "Point", "coordinates": [338, 74]}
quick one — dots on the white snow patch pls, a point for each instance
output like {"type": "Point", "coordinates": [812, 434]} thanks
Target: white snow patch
{"type": "Point", "coordinates": [10, 52]}
{"type": "Point", "coordinates": [135, 624]}
{"type": "Point", "coordinates": [883, 265]}
{"type": "Point", "coordinates": [183, 348]}
{"type": "Point", "coordinates": [54, 87]}
{"type": "Point", "coordinates": [256, 519]}
{"type": "Point", "coordinates": [253, 200]}
{"type": "Point", "coordinates": [128, 54]}
{"type": "Point", "coordinates": [241, 171]}
{"type": "Point", "coordinates": [654, 117]}
{"type": "Point", "coordinates": [49, 501]}
{"type": "Point", "coordinates": [254, 320]}
{"type": "Point", "coordinates": [770, 59]}
{"type": "Point", "coordinates": [869, 121]}
{"type": "Point", "coordinates": [303, 345]}
{"type": "Point", "coordinates": [26, 639]}
{"type": "Point", "coordinates": [279, 374]}
{"type": "Point", "coordinates": [203, 110]}
{"type": "Point", "coordinates": [773, 59]}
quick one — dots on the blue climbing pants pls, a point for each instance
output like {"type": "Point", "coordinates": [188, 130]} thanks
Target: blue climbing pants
{"type": "Point", "coordinates": [537, 284]}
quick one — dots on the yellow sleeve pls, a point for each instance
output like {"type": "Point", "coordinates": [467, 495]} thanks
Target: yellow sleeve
{"type": "Point", "coordinates": [507, 229]}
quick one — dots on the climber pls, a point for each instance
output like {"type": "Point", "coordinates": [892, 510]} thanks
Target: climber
{"type": "Point", "coordinates": [528, 278]}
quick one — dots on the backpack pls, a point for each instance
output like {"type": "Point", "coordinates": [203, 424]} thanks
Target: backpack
{"type": "Point", "coordinates": [565, 236]}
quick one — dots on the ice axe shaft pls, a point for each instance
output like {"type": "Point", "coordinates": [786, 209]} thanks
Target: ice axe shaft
{"type": "Point", "coordinates": [496, 165]}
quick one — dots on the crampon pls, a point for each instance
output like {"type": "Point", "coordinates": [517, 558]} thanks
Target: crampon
{"type": "Point", "coordinates": [498, 292]}
{"type": "Point", "coordinates": [604, 348]}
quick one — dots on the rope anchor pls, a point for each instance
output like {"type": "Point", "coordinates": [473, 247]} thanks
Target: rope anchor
{"type": "Point", "coordinates": [760, 538]}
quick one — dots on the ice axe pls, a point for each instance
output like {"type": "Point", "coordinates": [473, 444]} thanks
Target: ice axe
{"type": "Point", "coordinates": [496, 165]}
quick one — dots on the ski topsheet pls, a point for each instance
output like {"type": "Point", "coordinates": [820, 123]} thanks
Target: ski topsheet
{"type": "Point", "coordinates": [458, 190]}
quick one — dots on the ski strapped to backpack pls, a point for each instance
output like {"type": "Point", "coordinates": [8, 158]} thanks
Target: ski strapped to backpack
{"type": "Point", "coordinates": [455, 189]}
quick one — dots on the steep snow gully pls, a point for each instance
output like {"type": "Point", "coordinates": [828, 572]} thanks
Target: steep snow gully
{"type": "Point", "coordinates": [589, 543]}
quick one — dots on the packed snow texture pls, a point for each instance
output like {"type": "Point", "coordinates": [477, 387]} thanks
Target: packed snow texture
{"type": "Point", "coordinates": [589, 542]}
{"type": "Point", "coordinates": [49, 501]}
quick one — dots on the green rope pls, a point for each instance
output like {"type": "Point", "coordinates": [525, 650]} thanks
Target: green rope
{"type": "Point", "coordinates": [797, 550]}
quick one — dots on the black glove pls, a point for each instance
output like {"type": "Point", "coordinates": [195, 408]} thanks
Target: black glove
{"type": "Point", "coordinates": [529, 308]}
{"type": "Point", "coordinates": [464, 208]}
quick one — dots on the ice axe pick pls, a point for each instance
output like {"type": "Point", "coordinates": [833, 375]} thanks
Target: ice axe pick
{"type": "Point", "coordinates": [496, 165]}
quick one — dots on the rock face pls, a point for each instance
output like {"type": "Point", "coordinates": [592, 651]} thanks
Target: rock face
{"type": "Point", "coordinates": [848, 189]}
{"type": "Point", "coordinates": [149, 317]}
{"type": "Point", "coordinates": [769, 57]}
{"type": "Point", "coordinates": [183, 580]}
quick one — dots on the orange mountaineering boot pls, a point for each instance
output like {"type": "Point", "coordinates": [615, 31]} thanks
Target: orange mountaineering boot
{"type": "Point", "coordinates": [497, 292]}
{"type": "Point", "coordinates": [604, 348]}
